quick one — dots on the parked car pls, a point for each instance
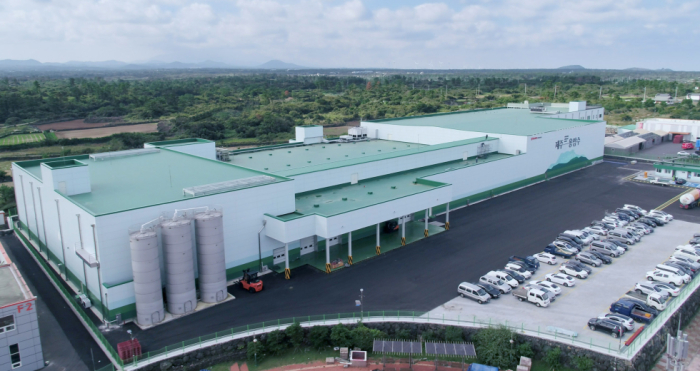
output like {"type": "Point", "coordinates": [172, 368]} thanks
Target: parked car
{"type": "Point", "coordinates": [598, 230]}
{"type": "Point", "coordinates": [548, 285]}
{"type": "Point", "coordinates": [474, 292]}
{"type": "Point", "coordinates": [676, 269]}
{"type": "Point", "coordinates": [606, 325]}
{"type": "Point", "coordinates": [667, 288]}
{"type": "Point", "coordinates": [519, 267]}
{"type": "Point", "coordinates": [573, 271]}
{"type": "Point", "coordinates": [531, 295]}
{"type": "Point", "coordinates": [602, 224]}
{"type": "Point", "coordinates": [688, 261]}
{"type": "Point", "coordinates": [505, 277]}
{"type": "Point", "coordinates": [680, 181]}
{"type": "Point", "coordinates": [560, 278]}
{"type": "Point", "coordinates": [588, 258]}
{"type": "Point", "coordinates": [605, 248]}
{"type": "Point", "coordinates": [496, 282]}
{"type": "Point", "coordinates": [664, 276]}
{"type": "Point", "coordinates": [629, 213]}
{"type": "Point", "coordinates": [620, 319]}
{"type": "Point", "coordinates": [564, 245]}
{"type": "Point", "coordinates": [656, 219]}
{"type": "Point", "coordinates": [636, 208]}
{"type": "Point", "coordinates": [571, 242]}
{"type": "Point", "coordinates": [580, 265]}
{"type": "Point", "coordinates": [637, 311]}
{"type": "Point", "coordinates": [620, 235]}
{"type": "Point", "coordinates": [515, 275]}
{"type": "Point", "coordinates": [646, 288]}
{"type": "Point", "coordinates": [529, 260]}
{"type": "Point", "coordinates": [689, 269]}
{"type": "Point", "coordinates": [546, 258]}
{"type": "Point", "coordinates": [666, 217]}
{"type": "Point", "coordinates": [683, 153]}
{"type": "Point", "coordinates": [490, 289]}
{"type": "Point", "coordinates": [647, 222]}
{"type": "Point", "coordinates": [694, 241]}
{"type": "Point", "coordinates": [641, 228]}
{"type": "Point", "coordinates": [604, 258]}
{"type": "Point", "coordinates": [555, 250]}
{"type": "Point", "coordinates": [552, 296]}
{"type": "Point", "coordinates": [687, 145]}
{"type": "Point", "coordinates": [621, 246]}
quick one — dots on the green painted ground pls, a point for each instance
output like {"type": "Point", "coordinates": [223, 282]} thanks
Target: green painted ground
{"type": "Point", "coordinates": [362, 249]}
{"type": "Point", "coordinates": [21, 138]}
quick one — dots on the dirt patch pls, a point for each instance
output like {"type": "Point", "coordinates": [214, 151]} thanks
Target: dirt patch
{"type": "Point", "coordinates": [107, 131]}
{"type": "Point", "coordinates": [73, 124]}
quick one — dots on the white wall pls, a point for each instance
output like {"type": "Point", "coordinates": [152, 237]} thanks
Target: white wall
{"type": "Point", "coordinates": [243, 215]}
{"type": "Point", "coordinates": [342, 175]}
{"type": "Point", "coordinates": [683, 126]}
{"type": "Point", "coordinates": [76, 179]}
{"type": "Point", "coordinates": [589, 114]}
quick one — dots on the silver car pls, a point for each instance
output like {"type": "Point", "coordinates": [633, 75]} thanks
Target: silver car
{"type": "Point", "coordinates": [621, 319]}
{"type": "Point", "coordinates": [588, 258]}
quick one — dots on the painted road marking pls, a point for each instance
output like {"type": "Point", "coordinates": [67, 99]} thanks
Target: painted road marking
{"type": "Point", "coordinates": [669, 202]}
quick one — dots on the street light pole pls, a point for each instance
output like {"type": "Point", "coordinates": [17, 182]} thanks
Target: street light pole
{"type": "Point", "coordinates": [255, 342]}
{"type": "Point", "coordinates": [362, 304]}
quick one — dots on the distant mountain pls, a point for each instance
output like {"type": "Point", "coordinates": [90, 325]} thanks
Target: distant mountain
{"type": "Point", "coordinates": [636, 69]}
{"type": "Point", "coordinates": [572, 67]}
{"type": "Point", "coordinates": [665, 69]}
{"type": "Point", "coordinates": [279, 65]}
{"type": "Point", "coordinates": [18, 63]}
{"type": "Point", "coordinates": [31, 64]}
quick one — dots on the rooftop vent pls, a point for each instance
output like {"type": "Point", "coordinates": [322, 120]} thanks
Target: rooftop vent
{"type": "Point", "coordinates": [230, 185]}
{"type": "Point", "coordinates": [127, 153]}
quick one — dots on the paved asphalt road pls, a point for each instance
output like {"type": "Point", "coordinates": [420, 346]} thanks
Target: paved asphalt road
{"type": "Point", "coordinates": [65, 342]}
{"type": "Point", "coordinates": [424, 274]}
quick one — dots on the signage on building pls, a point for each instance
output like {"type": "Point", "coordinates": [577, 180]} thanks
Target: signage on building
{"type": "Point", "coordinates": [533, 138]}
{"type": "Point", "coordinates": [568, 142]}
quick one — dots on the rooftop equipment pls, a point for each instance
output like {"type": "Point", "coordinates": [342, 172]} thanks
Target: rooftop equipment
{"type": "Point", "coordinates": [230, 185]}
{"type": "Point", "coordinates": [127, 153]}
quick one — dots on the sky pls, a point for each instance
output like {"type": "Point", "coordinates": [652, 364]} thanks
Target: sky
{"type": "Point", "coordinates": [410, 34]}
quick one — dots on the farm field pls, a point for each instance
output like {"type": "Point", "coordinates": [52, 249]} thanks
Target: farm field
{"type": "Point", "coordinates": [107, 131]}
{"type": "Point", "coordinates": [21, 138]}
{"type": "Point", "coordinates": [73, 124]}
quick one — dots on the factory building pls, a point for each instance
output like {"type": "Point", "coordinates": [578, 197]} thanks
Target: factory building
{"type": "Point", "coordinates": [121, 226]}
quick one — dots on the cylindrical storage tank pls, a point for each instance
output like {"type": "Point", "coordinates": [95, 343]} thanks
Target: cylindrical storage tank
{"type": "Point", "coordinates": [211, 259]}
{"type": "Point", "coordinates": [180, 292]}
{"type": "Point", "coordinates": [690, 197]}
{"type": "Point", "coordinates": [148, 287]}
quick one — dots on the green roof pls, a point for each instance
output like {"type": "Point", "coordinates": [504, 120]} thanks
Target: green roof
{"type": "Point", "coordinates": [497, 121]}
{"type": "Point", "coordinates": [348, 197]}
{"type": "Point", "coordinates": [178, 142]}
{"type": "Point", "coordinates": [320, 157]}
{"type": "Point", "coordinates": [629, 127]}
{"type": "Point", "coordinates": [681, 167]}
{"type": "Point", "coordinates": [134, 182]}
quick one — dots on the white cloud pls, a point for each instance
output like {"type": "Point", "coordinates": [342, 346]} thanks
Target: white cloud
{"type": "Point", "coordinates": [332, 33]}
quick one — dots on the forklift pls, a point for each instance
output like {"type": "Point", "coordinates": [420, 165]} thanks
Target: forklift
{"type": "Point", "coordinates": [251, 282]}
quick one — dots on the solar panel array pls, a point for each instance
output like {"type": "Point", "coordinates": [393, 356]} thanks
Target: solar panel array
{"type": "Point", "coordinates": [397, 346]}
{"type": "Point", "coordinates": [449, 349]}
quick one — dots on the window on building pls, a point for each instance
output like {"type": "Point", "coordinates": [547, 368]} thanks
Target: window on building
{"type": "Point", "coordinates": [14, 356]}
{"type": "Point", "coordinates": [697, 175]}
{"type": "Point", "coordinates": [7, 323]}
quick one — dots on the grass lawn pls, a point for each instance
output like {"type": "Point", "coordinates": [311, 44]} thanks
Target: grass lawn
{"type": "Point", "coordinates": [290, 357]}
{"type": "Point", "coordinates": [538, 365]}
{"type": "Point", "coordinates": [21, 138]}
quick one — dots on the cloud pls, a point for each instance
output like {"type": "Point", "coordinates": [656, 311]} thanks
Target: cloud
{"type": "Point", "coordinates": [351, 33]}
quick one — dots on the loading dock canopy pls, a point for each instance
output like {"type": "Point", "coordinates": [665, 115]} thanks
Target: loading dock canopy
{"type": "Point", "coordinates": [679, 133]}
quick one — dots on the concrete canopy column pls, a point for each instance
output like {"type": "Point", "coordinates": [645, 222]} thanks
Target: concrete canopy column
{"type": "Point", "coordinates": [328, 256]}
{"type": "Point", "coordinates": [287, 272]}
{"type": "Point", "coordinates": [350, 247]}
{"type": "Point", "coordinates": [447, 217]}
{"type": "Point", "coordinates": [403, 231]}
{"type": "Point", "coordinates": [378, 246]}
{"type": "Point", "coordinates": [425, 232]}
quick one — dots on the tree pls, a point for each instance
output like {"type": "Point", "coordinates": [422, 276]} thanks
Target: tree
{"type": "Point", "coordinates": [363, 337]}
{"type": "Point", "coordinates": [494, 348]}
{"type": "Point", "coordinates": [405, 334]}
{"type": "Point", "coordinates": [583, 363]}
{"type": "Point", "coordinates": [453, 334]}
{"type": "Point", "coordinates": [525, 350]}
{"type": "Point", "coordinates": [295, 334]}
{"type": "Point", "coordinates": [276, 343]}
{"type": "Point", "coordinates": [340, 336]}
{"type": "Point", "coordinates": [256, 350]}
{"type": "Point", "coordinates": [7, 194]}
{"type": "Point", "coordinates": [318, 337]}
{"type": "Point", "coordinates": [553, 358]}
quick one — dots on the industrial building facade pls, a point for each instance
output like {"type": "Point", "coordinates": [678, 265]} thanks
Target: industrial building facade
{"type": "Point", "coordinates": [125, 224]}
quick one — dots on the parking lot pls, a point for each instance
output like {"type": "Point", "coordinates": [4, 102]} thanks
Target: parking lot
{"type": "Point", "coordinates": [588, 298]}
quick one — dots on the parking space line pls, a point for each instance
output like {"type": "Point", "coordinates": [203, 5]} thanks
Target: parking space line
{"type": "Point", "coordinates": [669, 202]}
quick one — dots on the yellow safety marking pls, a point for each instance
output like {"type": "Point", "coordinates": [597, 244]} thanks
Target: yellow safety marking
{"type": "Point", "coordinates": [350, 259]}
{"type": "Point", "coordinates": [447, 226]}
{"type": "Point", "coordinates": [328, 267]}
{"type": "Point", "coordinates": [669, 202]}
{"type": "Point", "coordinates": [287, 273]}
{"type": "Point", "coordinates": [403, 241]}
{"type": "Point", "coordinates": [379, 250]}
{"type": "Point", "coordinates": [425, 233]}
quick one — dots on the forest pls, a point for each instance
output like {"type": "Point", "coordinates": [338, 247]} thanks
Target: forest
{"type": "Point", "coordinates": [264, 107]}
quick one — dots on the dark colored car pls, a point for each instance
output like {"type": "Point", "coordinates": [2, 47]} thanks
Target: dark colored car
{"type": "Point", "coordinates": [516, 275]}
{"type": "Point", "coordinates": [551, 249]}
{"type": "Point", "coordinates": [492, 291]}
{"type": "Point", "coordinates": [635, 309]}
{"type": "Point", "coordinates": [623, 216]}
{"type": "Point", "coordinates": [659, 222]}
{"type": "Point", "coordinates": [648, 222]}
{"type": "Point", "coordinates": [606, 325]}
{"type": "Point", "coordinates": [529, 260]}
{"type": "Point", "coordinates": [523, 266]}
{"type": "Point", "coordinates": [605, 225]}
{"type": "Point", "coordinates": [694, 241]}
{"type": "Point", "coordinates": [573, 263]}
{"type": "Point", "coordinates": [571, 242]}
{"type": "Point", "coordinates": [606, 259]}
{"type": "Point", "coordinates": [618, 243]}
{"type": "Point", "coordinates": [684, 265]}
{"type": "Point", "coordinates": [681, 268]}
{"type": "Point", "coordinates": [680, 181]}
{"type": "Point", "coordinates": [629, 213]}
{"type": "Point", "coordinates": [572, 239]}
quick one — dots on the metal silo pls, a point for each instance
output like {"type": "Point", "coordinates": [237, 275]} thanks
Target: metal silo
{"type": "Point", "coordinates": [148, 288]}
{"type": "Point", "coordinates": [181, 294]}
{"type": "Point", "coordinates": [210, 256]}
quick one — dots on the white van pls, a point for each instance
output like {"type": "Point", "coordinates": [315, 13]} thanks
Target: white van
{"type": "Point", "coordinates": [623, 236]}
{"type": "Point", "coordinates": [474, 292]}
{"type": "Point", "coordinates": [503, 287]}
{"type": "Point", "coordinates": [674, 270]}
{"type": "Point", "coordinates": [506, 278]}
{"type": "Point", "coordinates": [688, 251]}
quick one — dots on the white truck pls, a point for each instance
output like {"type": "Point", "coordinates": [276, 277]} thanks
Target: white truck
{"type": "Point", "coordinates": [656, 301]}
{"type": "Point", "coordinates": [534, 296]}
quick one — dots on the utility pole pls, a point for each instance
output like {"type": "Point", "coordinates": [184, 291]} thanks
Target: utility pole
{"type": "Point", "coordinates": [555, 92]}
{"type": "Point", "coordinates": [600, 95]}
{"type": "Point", "coordinates": [525, 89]}
{"type": "Point", "coordinates": [645, 94]}
{"type": "Point", "coordinates": [676, 96]}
